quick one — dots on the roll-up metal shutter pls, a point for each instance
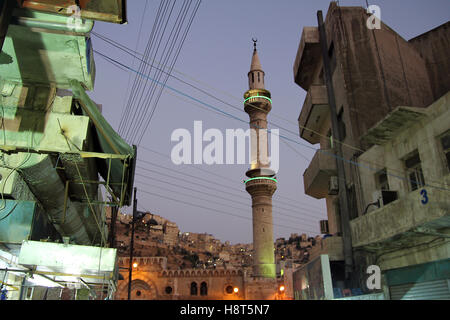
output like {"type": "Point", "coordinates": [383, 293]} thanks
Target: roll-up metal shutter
{"type": "Point", "coordinates": [428, 290]}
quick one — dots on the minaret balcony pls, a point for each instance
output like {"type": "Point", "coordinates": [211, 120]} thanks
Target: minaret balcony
{"type": "Point", "coordinates": [316, 177]}
{"type": "Point", "coordinates": [258, 98]}
{"type": "Point", "coordinates": [314, 113]}
{"type": "Point", "coordinates": [261, 185]}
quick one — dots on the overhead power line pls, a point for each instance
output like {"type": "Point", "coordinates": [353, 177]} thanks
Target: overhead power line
{"type": "Point", "coordinates": [219, 211]}
{"type": "Point", "coordinates": [245, 206]}
{"type": "Point", "coordinates": [326, 152]}
{"type": "Point", "coordinates": [381, 166]}
{"type": "Point", "coordinates": [280, 211]}
{"type": "Point", "coordinates": [214, 183]}
{"type": "Point", "coordinates": [292, 202]}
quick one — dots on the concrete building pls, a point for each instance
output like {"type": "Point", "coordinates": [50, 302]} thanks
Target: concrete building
{"type": "Point", "coordinates": [171, 232]}
{"type": "Point", "coordinates": [55, 146]}
{"type": "Point", "coordinates": [408, 235]}
{"type": "Point", "coordinates": [374, 71]}
{"type": "Point", "coordinates": [153, 281]}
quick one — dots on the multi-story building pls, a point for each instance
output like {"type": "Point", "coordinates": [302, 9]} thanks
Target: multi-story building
{"type": "Point", "coordinates": [171, 232]}
{"type": "Point", "coordinates": [373, 72]}
{"type": "Point", "coordinates": [407, 229]}
{"type": "Point", "coordinates": [55, 145]}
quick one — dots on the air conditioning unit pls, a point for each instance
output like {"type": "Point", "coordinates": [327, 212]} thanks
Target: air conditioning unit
{"type": "Point", "coordinates": [324, 227]}
{"type": "Point", "coordinates": [333, 186]}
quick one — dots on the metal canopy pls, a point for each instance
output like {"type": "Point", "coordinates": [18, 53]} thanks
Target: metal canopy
{"type": "Point", "coordinates": [68, 263]}
{"type": "Point", "coordinates": [119, 173]}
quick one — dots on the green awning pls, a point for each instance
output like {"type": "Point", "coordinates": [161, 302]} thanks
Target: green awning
{"type": "Point", "coordinates": [109, 142]}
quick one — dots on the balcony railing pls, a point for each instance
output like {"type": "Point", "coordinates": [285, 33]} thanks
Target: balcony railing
{"type": "Point", "coordinates": [403, 216]}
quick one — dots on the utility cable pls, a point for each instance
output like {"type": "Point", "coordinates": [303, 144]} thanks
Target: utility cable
{"type": "Point", "coordinates": [142, 105]}
{"type": "Point", "coordinates": [207, 181]}
{"type": "Point", "coordinates": [361, 164]}
{"type": "Point", "coordinates": [244, 208]}
{"type": "Point", "coordinates": [217, 211]}
{"type": "Point", "coordinates": [225, 177]}
{"type": "Point", "coordinates": [327, 152]}
{"type": "Point", "coordinates": [315, 220]}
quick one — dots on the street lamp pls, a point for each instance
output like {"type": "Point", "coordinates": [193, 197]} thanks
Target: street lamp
{"type": "Point", "coordinates": [281, 290]}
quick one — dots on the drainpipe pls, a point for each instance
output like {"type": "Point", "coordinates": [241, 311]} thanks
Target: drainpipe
{"type": "Point", "coordinates": [84, 27]}
{"type": "Point", "coordinates": [343, 192]}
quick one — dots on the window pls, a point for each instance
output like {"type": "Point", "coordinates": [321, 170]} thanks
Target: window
{"type": "Point", "coordinates": [203, 289]}
{"type": "Point", "coordinates": [168, 290]}
{"type": "Point", "coordinates": [414, 172]}
{"type": "Point", "coordinates": [445, 142]}
{"type": "Point", "coordinates": [29, 293]}
{"type": "Point", "coordinates": [229, 289]}
{"type": "Point", "coordinates": [194, 290]}
{"type": "Point", "coordinates": [259, 78]}
{"type": "Point", "coordinates": [253, 77]}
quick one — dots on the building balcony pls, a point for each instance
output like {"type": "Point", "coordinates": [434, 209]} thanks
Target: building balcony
{"type": "Point", "coordinates": [308, 55]}
{"type": "Point", "coordinates": [317, 175]}
{"type": "Point", "coordinates": [314, 112]}
{"type": "Point", "coordinates": [388, 128]}
{"type": "Point", "coordinates": [402, 218]}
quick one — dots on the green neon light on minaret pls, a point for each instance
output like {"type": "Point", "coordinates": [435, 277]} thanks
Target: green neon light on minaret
{"type": "Point", "coordinates": [261, 178]}
{"type": "Point", "coordinates": [257, 96]}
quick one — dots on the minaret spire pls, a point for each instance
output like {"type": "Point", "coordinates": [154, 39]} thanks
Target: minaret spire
{"type": "Point", "coordinates": [262, 183]}
{"type": "Point", "coordinates": [256, 74]}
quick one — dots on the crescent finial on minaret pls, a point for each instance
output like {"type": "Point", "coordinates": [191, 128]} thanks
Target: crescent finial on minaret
{"type": "Point", "coordinates": [254, 43]}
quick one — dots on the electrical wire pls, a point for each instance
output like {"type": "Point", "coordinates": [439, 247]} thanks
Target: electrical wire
{"type": "Point", "coordinates": [360, 164]}
{"type": "Point", "coordinates": [315, 219]}
{"type": "Point", "coordinates": [294, 201]}
{"type": "Point", "coordinates": [244, 208]}
{"type": "Point", "coordinates": [142, 106]}
{"type": "Point", "coordinates": [343, 144]}
{"type": "Point", "coordinates": [215, 183]}
{"type": "Point", "coordinates": [138, 80]}
{"type": "Point", "coordinates": [290, 131]}
{"type": "Point", "coordinates": [147, 123]}
{"type": "Point", "coordinates": [136, 48]}
{"type": "Point", "coordinates": [215, 210]}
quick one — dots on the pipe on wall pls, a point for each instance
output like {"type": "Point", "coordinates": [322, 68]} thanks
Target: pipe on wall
{"type": "Point", "coordinates": [84, 27]}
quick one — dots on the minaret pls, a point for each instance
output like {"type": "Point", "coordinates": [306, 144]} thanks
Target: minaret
{"type": "Point", "coordinates": [261, 184]}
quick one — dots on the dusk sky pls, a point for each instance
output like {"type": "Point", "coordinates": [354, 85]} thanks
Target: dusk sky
{"type": "Point", "coordinates": [216, 57]}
